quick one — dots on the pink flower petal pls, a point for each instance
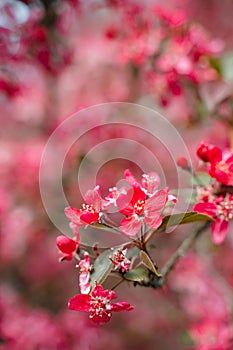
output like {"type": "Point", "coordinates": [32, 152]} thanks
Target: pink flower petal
{"type": "Point", "coordinates": [89, 217]}
{"type": "Point", "coordinates": [172, 198]}
{"type": "Point", "coordinates": [104, 318]}
{"type": "Point", "coordinates": [219, 230]}
{"type": "Point", "coordinates": [73, 215]}
{"type": "Point", "coordinates": [157, 202]}
{"type": "Point", "coordinates": [130, 178]}
{"type": "Point", "coordinates": [93, 197]}
{"type": "Point", "coordinates": [150, 182]}
{"type": "Point", "coordinates": [84, 278]}
{"type": "Point", "coordinates": [138, 195]}
{"type": "Point", "coordinates": [75, 229]}
{"type": "Point", "coordinates": [222, 177]}
{"type": "Point", "coordinates": [66, 244]}
{"type": "Point", "coordinates": [121, 306]}
{"type": "Point", "coordinates": [230, 159]}
{"type": "Point", "coordinates": [215, 154]}
{"type": "Point", "coordinates": [154, 221]}
{"type": "Point", "coordinates": [123, 203]}
{"type": "Point", "coordinates": [84, 283]}
{"type": "Point", "coordinates": [99, 291]}
{"type": "Point", "coordinates": [207, 208]}
{"type": "Point", "coordinates": [80, 302]}
{"type": "Point", "coordinates": [130, 226]}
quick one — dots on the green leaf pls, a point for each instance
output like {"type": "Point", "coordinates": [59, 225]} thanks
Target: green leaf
{"type": "Point", "coordinates": [227, 66]}
{"type": "Point", "coordinates": [105, 228]}
{"type": "Point", "coordinates": [136, 275]}
{"type": "Point", "coordinates": [146, 261]}
{"type": "Point", "coordinates": [183, 218]}
{"type": "Point", "coordinates": [101, 268]}
{"type": "Point", "coordinates": [133, 252]}
{"type": "Point", "coordinates": [201, 179]}
{"type": "Point", "coordinates": [178, 219]}
{"type": "Point", "coordinates": [216, 64]}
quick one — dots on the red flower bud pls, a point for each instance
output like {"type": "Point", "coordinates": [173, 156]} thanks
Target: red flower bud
{"type": "Point", "coordinates": [209, 153]}
{"type": "Point", "coordinates": [182, 163]}
{"type": "Point", "coordinates": [67, 246]}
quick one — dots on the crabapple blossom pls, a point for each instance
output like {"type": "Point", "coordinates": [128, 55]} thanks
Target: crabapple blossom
{"type": "Point", "coordinates": [120, 261]}
{"type": "Point", "coordinates": [208, 152]}
{"type": "Point", "coordinates": [216, 200]}
{"type": "Point", "coordinates": [221, 166]}
{"type": "Point", "coordinates": [220, 209]}
{"type": "Point", "coordinates": [98, 304]}
{"type": "Point", "coordinates": [138, 52]}
{"type": "Point", "coordinates": [149, 184]}
{"type": "Point", "coordinates": [142, 209]}
{"type": "Point", "coordinates": [90, 211]}
{"type": "Point", "coordinates": [141, 204]}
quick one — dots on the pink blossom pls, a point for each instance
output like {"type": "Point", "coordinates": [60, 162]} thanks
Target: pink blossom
{"type": "Point", "coordinates": [221, 167]}
{"type": "Point", "coordinates": [149, 184]}
{"type": "Point", "coordinates": [223, 170]}
{"type": "Point", "coordinates": [211, 334]}
{"type": "Point", "coordinates": [138, 207]}
{"type": "Point", "coordinates": [98, 304]}
{"type": "Point", "coordinates": [220, 209]}
{"type": "Point", "coordinates": [120, 261]}
{"type": "Point", "coordinates": [209, 153]}
{"type": "Point", "coordinates": [90, 211]}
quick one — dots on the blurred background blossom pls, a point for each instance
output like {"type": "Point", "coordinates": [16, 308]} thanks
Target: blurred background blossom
{"type": "Point", "coordinates": [56, 58]}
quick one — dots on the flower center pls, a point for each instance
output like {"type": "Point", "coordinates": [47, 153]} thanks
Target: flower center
{"type": "Point", "coordinates": [87, 207]}
{"type": "Point", "coordinates": [99, 305]}
{"type": "Point", "coordinates": [118, 257]}
{"type": "Point", "coordinates": [114, 192]}
{"type": "Point", "coordinates": [139, 207]}
{"type": "Point", "coordinates": [225, 209]}
{"type": "Point", "coordinates": [223, 166]}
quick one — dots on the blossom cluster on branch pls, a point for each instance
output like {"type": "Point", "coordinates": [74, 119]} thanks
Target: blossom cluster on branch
{"type": "Point", "coordinates": [57, 58]}
{"type": "Point", "coordinates": [136, 211]}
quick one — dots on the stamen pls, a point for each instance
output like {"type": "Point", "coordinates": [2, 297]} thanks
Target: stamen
{"type": "Point", "coordinates": [225, 209]}
{"type": "Point", "coordinates": [139, 207]}
{"type": "Point", "coordinates": [87, 207]}
{"type": "Point", "coordinates": [98, 306]}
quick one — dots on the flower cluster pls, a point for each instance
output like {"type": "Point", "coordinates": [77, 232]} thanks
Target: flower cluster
{"type": "Point", "coordinates": [216, 200]}
{"type": "Point", "coordinates": [141, 205]}
{"type": "Point", "coordinates": [120, 260]}
{"type": "Point", "coordinates": [174, 55]}
{"type": "Point", "coordinates": [140, 208]}
{"type": "Point", "coordinates": [133, 51]}
{"type": "Point", "coordinates": [220, 165]}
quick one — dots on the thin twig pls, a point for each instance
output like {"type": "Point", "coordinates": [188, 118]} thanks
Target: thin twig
{"type": "Point", "coordinates": [184, 247]}
{"type": "Point", "coordinates": [117, 284]}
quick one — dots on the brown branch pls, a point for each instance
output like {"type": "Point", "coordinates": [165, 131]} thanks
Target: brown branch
{"type": "Point", "coordinates": [184, 247]}
{"type": "Point", "coordinates": [155, 281]}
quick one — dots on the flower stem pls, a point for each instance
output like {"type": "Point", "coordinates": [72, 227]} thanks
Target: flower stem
{"type": "Point", "coordinates": [231, 137]}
